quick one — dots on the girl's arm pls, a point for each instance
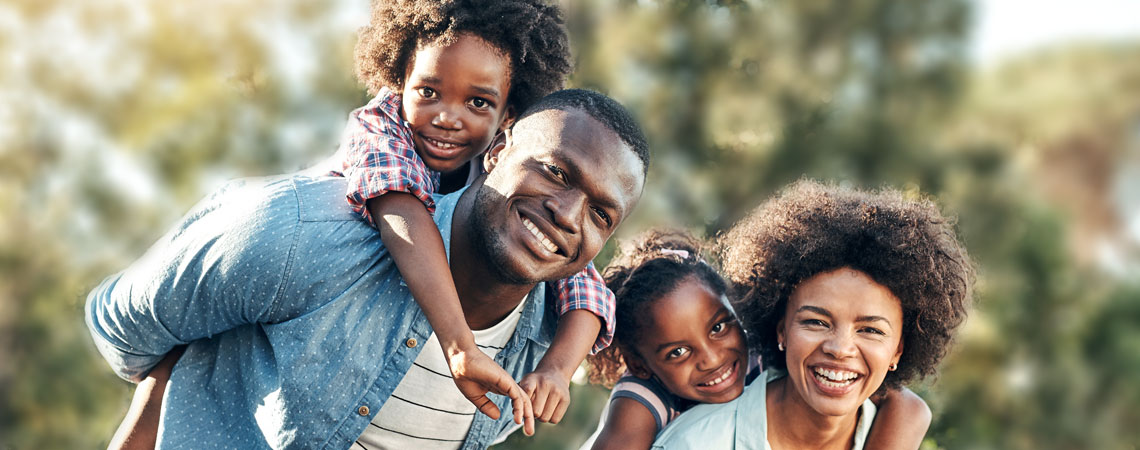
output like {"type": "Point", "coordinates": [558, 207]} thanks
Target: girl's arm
{"type": "Point", "coordinates": [901, 421]}
{"type": "Point", "coordinates": [629, 425]}
{"type": "Point", "coordinates": [411, 237]}
{"type": "Point", "coordinates": [139, 429]}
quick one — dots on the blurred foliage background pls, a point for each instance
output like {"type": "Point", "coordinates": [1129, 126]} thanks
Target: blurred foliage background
{"type": "Point", "coordinates": [116, 116]}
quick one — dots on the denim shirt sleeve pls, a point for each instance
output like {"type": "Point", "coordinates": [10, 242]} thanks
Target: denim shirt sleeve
{"type": "Point", "coordinates": [218, 269]}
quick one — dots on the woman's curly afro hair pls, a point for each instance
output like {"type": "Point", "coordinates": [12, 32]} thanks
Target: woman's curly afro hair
{"type": "Point", "coordinates": [646, 268]}
{"type": "Point", "coordinates": [531, 33]}
{"type": "Point", "coordinates": [810, 228]}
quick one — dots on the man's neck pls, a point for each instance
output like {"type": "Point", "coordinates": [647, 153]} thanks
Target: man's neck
{"type": "Point", "coordinates": [484, 296]}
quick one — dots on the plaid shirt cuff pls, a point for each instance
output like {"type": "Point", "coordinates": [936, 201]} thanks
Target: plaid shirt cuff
{"type": "Point", "coordinates": [586, 290]}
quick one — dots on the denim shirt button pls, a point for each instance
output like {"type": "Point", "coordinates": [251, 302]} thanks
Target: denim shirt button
{"type": "Point", "coordinates": [411, 342]}
{"type": "Point", "coordinates": [362, 410]}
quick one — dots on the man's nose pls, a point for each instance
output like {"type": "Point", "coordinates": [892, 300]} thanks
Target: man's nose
{"type": "Point", "coordinates": [841, 344]}
{"type": "Point", "coordinates": [567, 207]}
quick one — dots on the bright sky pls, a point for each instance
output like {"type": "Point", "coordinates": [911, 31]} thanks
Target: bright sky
{"type": "Point", "coordinates": [1006, 27]}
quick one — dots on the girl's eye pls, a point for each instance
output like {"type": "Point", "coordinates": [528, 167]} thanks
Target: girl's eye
{"type": "Point", "coordinates": [719, 327]}
{"type": "Point", "coordinates": [426, 92]}
{"type": "Point", "coordinates": [602, 215]}
{"type": "Point", "coordinates": [479, 103]}
{"type": "Point", "coordinates": [677, 353]}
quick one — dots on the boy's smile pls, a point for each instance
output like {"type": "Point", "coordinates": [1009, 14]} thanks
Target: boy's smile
{"type": "Point", "coordinates": [455, 100]}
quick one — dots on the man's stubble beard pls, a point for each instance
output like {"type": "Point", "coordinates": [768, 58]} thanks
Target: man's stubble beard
{"type": "Point", "coordinates": [487, 243]}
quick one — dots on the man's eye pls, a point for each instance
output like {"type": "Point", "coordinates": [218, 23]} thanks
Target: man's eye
{"type": "Point", "coordinates": [426, 92]}
{"type": "Point", "coordinates": [556, 171]}
{"type": "Point", "coordinates": [602, 215]}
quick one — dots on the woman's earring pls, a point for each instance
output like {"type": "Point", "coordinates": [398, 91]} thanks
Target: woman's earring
{"type": "Point", "coordinates": [780, 345]}
{"type": "Point", "coordinates": [893, 367]}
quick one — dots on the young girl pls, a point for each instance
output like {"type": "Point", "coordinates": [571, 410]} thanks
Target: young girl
{"type": "Point", "coordinates": [678, 344]}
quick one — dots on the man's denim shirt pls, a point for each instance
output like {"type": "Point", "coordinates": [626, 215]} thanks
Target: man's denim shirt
{"type": "Point", "coordinates": [298, 323]}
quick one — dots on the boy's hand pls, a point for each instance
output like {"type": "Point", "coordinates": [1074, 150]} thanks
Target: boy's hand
{"type": "Point", "coordinates": [549, 391]}
{"type": "Point", "coordinates": [476, 374]}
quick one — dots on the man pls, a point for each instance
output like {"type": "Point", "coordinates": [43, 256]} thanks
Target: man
{"type": "Point", "coordinates": [298, 326]}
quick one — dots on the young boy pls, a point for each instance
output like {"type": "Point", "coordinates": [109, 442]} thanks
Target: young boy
{"type": "Point", "coordinates": [448, 78]}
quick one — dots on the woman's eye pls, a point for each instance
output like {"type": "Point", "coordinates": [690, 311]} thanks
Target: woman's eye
{"type": "Point", "coordinates": [602, 215]}
{"type": "Point", "coordinates": [426, 92]}
{"type": "Point", "coordinates": [814, 323]}
{"type": "Point", "coordinates": [677, 353]}
{"type": "Point", "coordinates": [874, 330]}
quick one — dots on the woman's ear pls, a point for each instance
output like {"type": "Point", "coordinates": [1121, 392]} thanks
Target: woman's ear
{"type": "Point", "coordinates": [491, 157]}
{"type": "Point", "coordinates": [898, 354]}
{"type": "Point", "coordinates": [780, 342]}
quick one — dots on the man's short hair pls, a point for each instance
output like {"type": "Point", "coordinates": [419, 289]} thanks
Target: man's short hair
{"type": "Point", "coordinates": [603, 109]}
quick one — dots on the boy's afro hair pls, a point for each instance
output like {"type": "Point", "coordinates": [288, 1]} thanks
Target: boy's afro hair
{"type": "Point", "coordinates": [903, 243]}
{"type": "Point", "coordinates": [531, 32]}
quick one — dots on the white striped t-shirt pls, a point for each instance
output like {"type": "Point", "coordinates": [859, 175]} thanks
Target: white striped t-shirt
{"type": "Point", "coordinates": [427, 411]}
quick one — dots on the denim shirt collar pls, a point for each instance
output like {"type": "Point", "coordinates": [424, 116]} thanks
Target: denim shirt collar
{"type": "Point", "coordinates": [533, 323]}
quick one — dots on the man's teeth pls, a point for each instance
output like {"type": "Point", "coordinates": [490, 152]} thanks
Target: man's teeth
{"type": "Point", "coordinates": [727, 373]}
{"type": "Point", "coordinates": [835, 378]}
{"type": "Point", "coordinates": [541, 237]}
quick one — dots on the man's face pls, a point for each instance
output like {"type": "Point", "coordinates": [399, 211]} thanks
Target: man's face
{"type": "Point", "coordinates": [558, 187]}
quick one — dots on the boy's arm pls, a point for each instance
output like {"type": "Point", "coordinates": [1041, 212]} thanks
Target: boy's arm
{"type": "Point", "coordinates": [901, 421]}
{"type": "Point", "coordinates": [411, 237]}
{"type": "Point", "coordinates": [139, 429]}
{"type": "Point", "coordinates": [549, 384]}
{"type": "Point", "coordinates": [629, 425]}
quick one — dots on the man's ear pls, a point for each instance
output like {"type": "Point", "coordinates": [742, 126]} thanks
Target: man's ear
{"type": "Point", "coordinates": [491, 157]}
{"type": "Point", "coordinates": [508, 120]}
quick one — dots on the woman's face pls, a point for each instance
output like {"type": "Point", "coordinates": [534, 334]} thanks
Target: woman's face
{"type": "Point", "coordinates": [693, 344]}
{"type": "Point", "coordinates": [841, 331]}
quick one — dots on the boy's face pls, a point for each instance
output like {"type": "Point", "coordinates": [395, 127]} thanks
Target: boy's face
{"type": "Point", "coordinates": [455, 98]}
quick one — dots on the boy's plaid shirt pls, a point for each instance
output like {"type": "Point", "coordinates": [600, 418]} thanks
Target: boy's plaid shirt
{"type": "Point", "coordinates": [379, 155]}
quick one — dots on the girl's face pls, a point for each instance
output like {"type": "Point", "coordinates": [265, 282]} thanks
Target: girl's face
{"type": "Point", "coordinates": [455, 98]}
{"type": "Point", "coordinates": [693, 344]}
{"type": "Point", "coordinates": [841, 331]}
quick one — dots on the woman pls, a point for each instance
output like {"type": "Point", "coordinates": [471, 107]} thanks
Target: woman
{"type": "Point", "coordinates": [847, 294]}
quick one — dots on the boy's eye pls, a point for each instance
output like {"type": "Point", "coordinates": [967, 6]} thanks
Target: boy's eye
{"type": "Point", "coordinates": [602, 215]}
{"type": "Point", "coordinates": [677, 353]}
{"type": "Point", "coordinates": [426, 92]}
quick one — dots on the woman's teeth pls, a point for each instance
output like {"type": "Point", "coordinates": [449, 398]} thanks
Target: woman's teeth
{"type": "Point", "coordinates": [541, 237]}
{"type": "Point", "coordinates": [723, 376]}
{"type": "Point", "coordinates": [835, 378]}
